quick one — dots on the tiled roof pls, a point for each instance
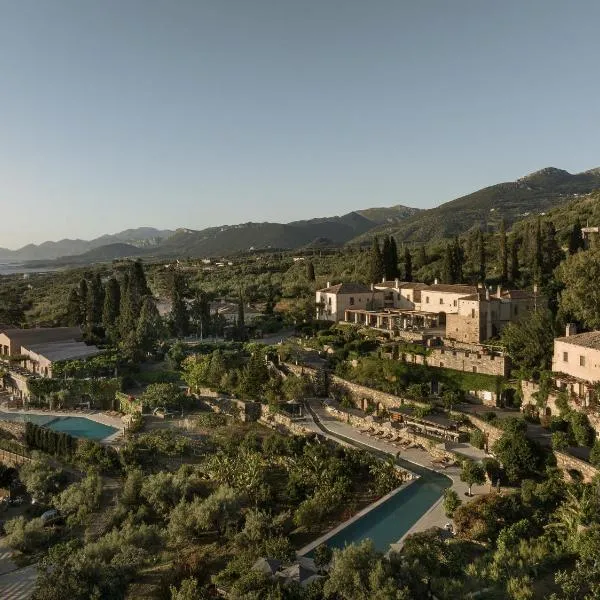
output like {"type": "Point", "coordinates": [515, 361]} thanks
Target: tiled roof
{"type": "Point", "coordinates": [401, 285]}
{"type": "Point", "coordinates": [63, 350]}
{"type": "Point", "coordinates": [347, 288]}
{"type": "Point", "coordinates": [41, 335]}
{"type": "Point", "coordinates": [517, 294]}
{"type": "Point", "coordinates": [591, 339]}
{"type": "Point", "coordinates": [451, 288]}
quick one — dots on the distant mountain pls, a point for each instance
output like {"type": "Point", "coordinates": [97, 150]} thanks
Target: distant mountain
{"type": "Point", "coordinates": [143, 237]}
{"type": "Point", "coordinates": [230, 239]}
{"type": "Point", "coordinates": [533, 194]}
{"type": "Point", "coordinates": [101, 254]}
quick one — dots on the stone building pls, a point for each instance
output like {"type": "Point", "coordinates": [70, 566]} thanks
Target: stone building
{"type": "Point", "coordinates": [576, 362]}
{"type": "Point", "coordinates": [464, 313]}
{"type": "Point", "coordinates": [333, 301]}
{"type": "Point", "coordinates": [38, 349]}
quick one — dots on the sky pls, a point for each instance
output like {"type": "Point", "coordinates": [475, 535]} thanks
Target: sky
{"type": "Point", "coordinates": [195, 113]}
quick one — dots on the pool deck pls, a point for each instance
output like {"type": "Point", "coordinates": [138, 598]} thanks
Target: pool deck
{"type": "Point", "coordinates": [435, 516]}
{"type": "Point", "coordinates": [92, 415]}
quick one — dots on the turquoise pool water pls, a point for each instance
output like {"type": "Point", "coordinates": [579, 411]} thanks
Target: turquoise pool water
{"type": "Point", "coordinates": [388, 522]}
{"type": "Point", "coordinates": [76, 426]}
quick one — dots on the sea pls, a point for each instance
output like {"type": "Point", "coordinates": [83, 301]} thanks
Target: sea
{"type": "Point", "coordinates": [8, 267]}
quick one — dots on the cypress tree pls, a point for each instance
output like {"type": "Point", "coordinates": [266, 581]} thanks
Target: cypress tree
{"type": "Point", "coordinates": [149, 326]}
{"type": "Point", "coordinates": [95, 301]}
{"type": "Point", "coordinates": [83, 299]}
{"type": "Point", "coordinates": [180, 318]}
{"type": "Point", "coordinates": [74, 317]}
{"type": "Point", "coordinates": [515, 272]}
{"type": "Point", "coordinates": [503, 253]}
{"type": "Point", "coordinates": [200, 313]}
{"type": "Point", "coordinates": [393, 258]}
{"type": "Point", "coordinates": [376, 267]}
{"type": "Point", "coordinates": [481, 256]}
{"type": "Point", "coordinates": [310, 271]}
{"type": "Point", "coordinates": [421, 257]}
{"type": "Point", "coordinates": [407, 264]}
{"type": "Point", "coordinates": [112, 306]}
{"type": "Point", "coordinates": [575, 238]}
{"type": "Point", "coordinates": [448, 264]}
{"type": "Point", "coordinates": [537, 252]}
{"type": "Point", "coordinates": [241, 318]}
{"type": "Point", "coordinates": [385, 255]}
{"type": "Point", "coordinates": [270, 304]}
{"type": "Point", "coordinates": [551, 251]}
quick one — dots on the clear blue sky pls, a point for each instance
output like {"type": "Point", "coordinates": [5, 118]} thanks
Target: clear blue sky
{"type": "Point", "coordinates": [192, 113]}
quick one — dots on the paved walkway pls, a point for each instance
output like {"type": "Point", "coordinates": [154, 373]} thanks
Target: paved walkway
{"type": "Point", "coordinates": [435, 517]}
{"type": "Point", "coordinates": [15, 583]}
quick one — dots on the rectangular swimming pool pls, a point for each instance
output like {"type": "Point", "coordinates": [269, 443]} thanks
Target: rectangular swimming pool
{"type": "Point", "coordinates": [75, 426]}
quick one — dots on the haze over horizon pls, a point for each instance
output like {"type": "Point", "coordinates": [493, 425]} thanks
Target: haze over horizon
{"type": "Point", "coordinates": [195, 114]}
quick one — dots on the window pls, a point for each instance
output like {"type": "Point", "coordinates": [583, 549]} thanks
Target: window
{"type": "Point", "coordinates": [565, 357]}
{"type": "Point", "coordinates": [426, 299]}
{"type": "Point", "coordinates": [329, 301]}
{"type": "Point", "coordinates": [441, 364]}
{"type": "Point", "coordinates": [441, 301]}
{"type": "Point", "coordinates": [351, 300]}
{"type": "Point", "coordinates": [454, 303]}
{"type": "Point", "coordinates": [582, 361]}
{"type": "Point", "coordinates": [474, 369]}
{"type": "Point", "coordinates": [472, 313]}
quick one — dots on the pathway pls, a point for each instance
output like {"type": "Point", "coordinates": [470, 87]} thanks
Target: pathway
{"type": "Point", "coordinates": [15, 583]}
{"type": "Point", "coordinates": [435, 517]}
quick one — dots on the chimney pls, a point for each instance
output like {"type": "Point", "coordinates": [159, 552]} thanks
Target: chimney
{"type": "Point", "coordinates": [397, 282]}
{"type": "Point", "coordinates": [571, 329]}
{"type": "Point", "coordinates": [383, 279]}
{"type": "Point", "coordinates": [328, 284]}
{"type": "Point", "coordinates": [499, 291]}
{"type": "Point", "coordinates": [435, 281]}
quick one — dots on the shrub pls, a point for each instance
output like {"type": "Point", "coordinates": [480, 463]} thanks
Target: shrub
{"type": "Point", "coordinates": [477, 438]}
{"type": "Point", "coordinates": [451, 502]}
{"type": "Point", "coordinates": [560, 440]}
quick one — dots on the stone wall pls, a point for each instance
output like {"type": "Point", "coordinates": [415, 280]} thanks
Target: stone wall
{"type": "Point", "coordinates": [565, 462]}
{"type": "Point", "coordinates": [462, 360]}
{"type": "Point", "coordinates": [529, 388]}
{"type": "Point", "coordinates": [10, 459]}
{"type": "Point", "coordinates": [359, 393]}
{"type": "Point", "coordinates": [568, 463]}
{"type": "Point", "coordinates": [275, 419]}
{"type": "Point", "coordinates": [492, 433]}
{"type": "Point", "coordinates": [463, 328]}
{"type": "Point", "coordinates": [385, 427]}
{"type": "Point", "coordinates": [12, 430]}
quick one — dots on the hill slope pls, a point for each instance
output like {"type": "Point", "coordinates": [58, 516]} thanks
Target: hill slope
{"type": "Point", "coordinates": [141, 237]}
{"type": "Point", "coordinates": [532, 194]}
{"type": "Point", "coordinates": [228, 239]}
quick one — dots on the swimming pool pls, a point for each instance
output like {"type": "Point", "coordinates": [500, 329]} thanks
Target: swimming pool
{"type": "Point", "coordinates": [75, 426]}
{"type": "Point", "coordinates": [389, 521]}
{"type": "Point", "coordinates": [392, 519]}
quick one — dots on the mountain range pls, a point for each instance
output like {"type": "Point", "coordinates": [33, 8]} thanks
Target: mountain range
{"type": "Point", "coordinates": [533, 194]}
{"type": "Point", "coordinates": [142, 237]}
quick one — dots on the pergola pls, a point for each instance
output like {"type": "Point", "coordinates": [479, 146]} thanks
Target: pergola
{"type": "Point", "coordinates": [395, 318]}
